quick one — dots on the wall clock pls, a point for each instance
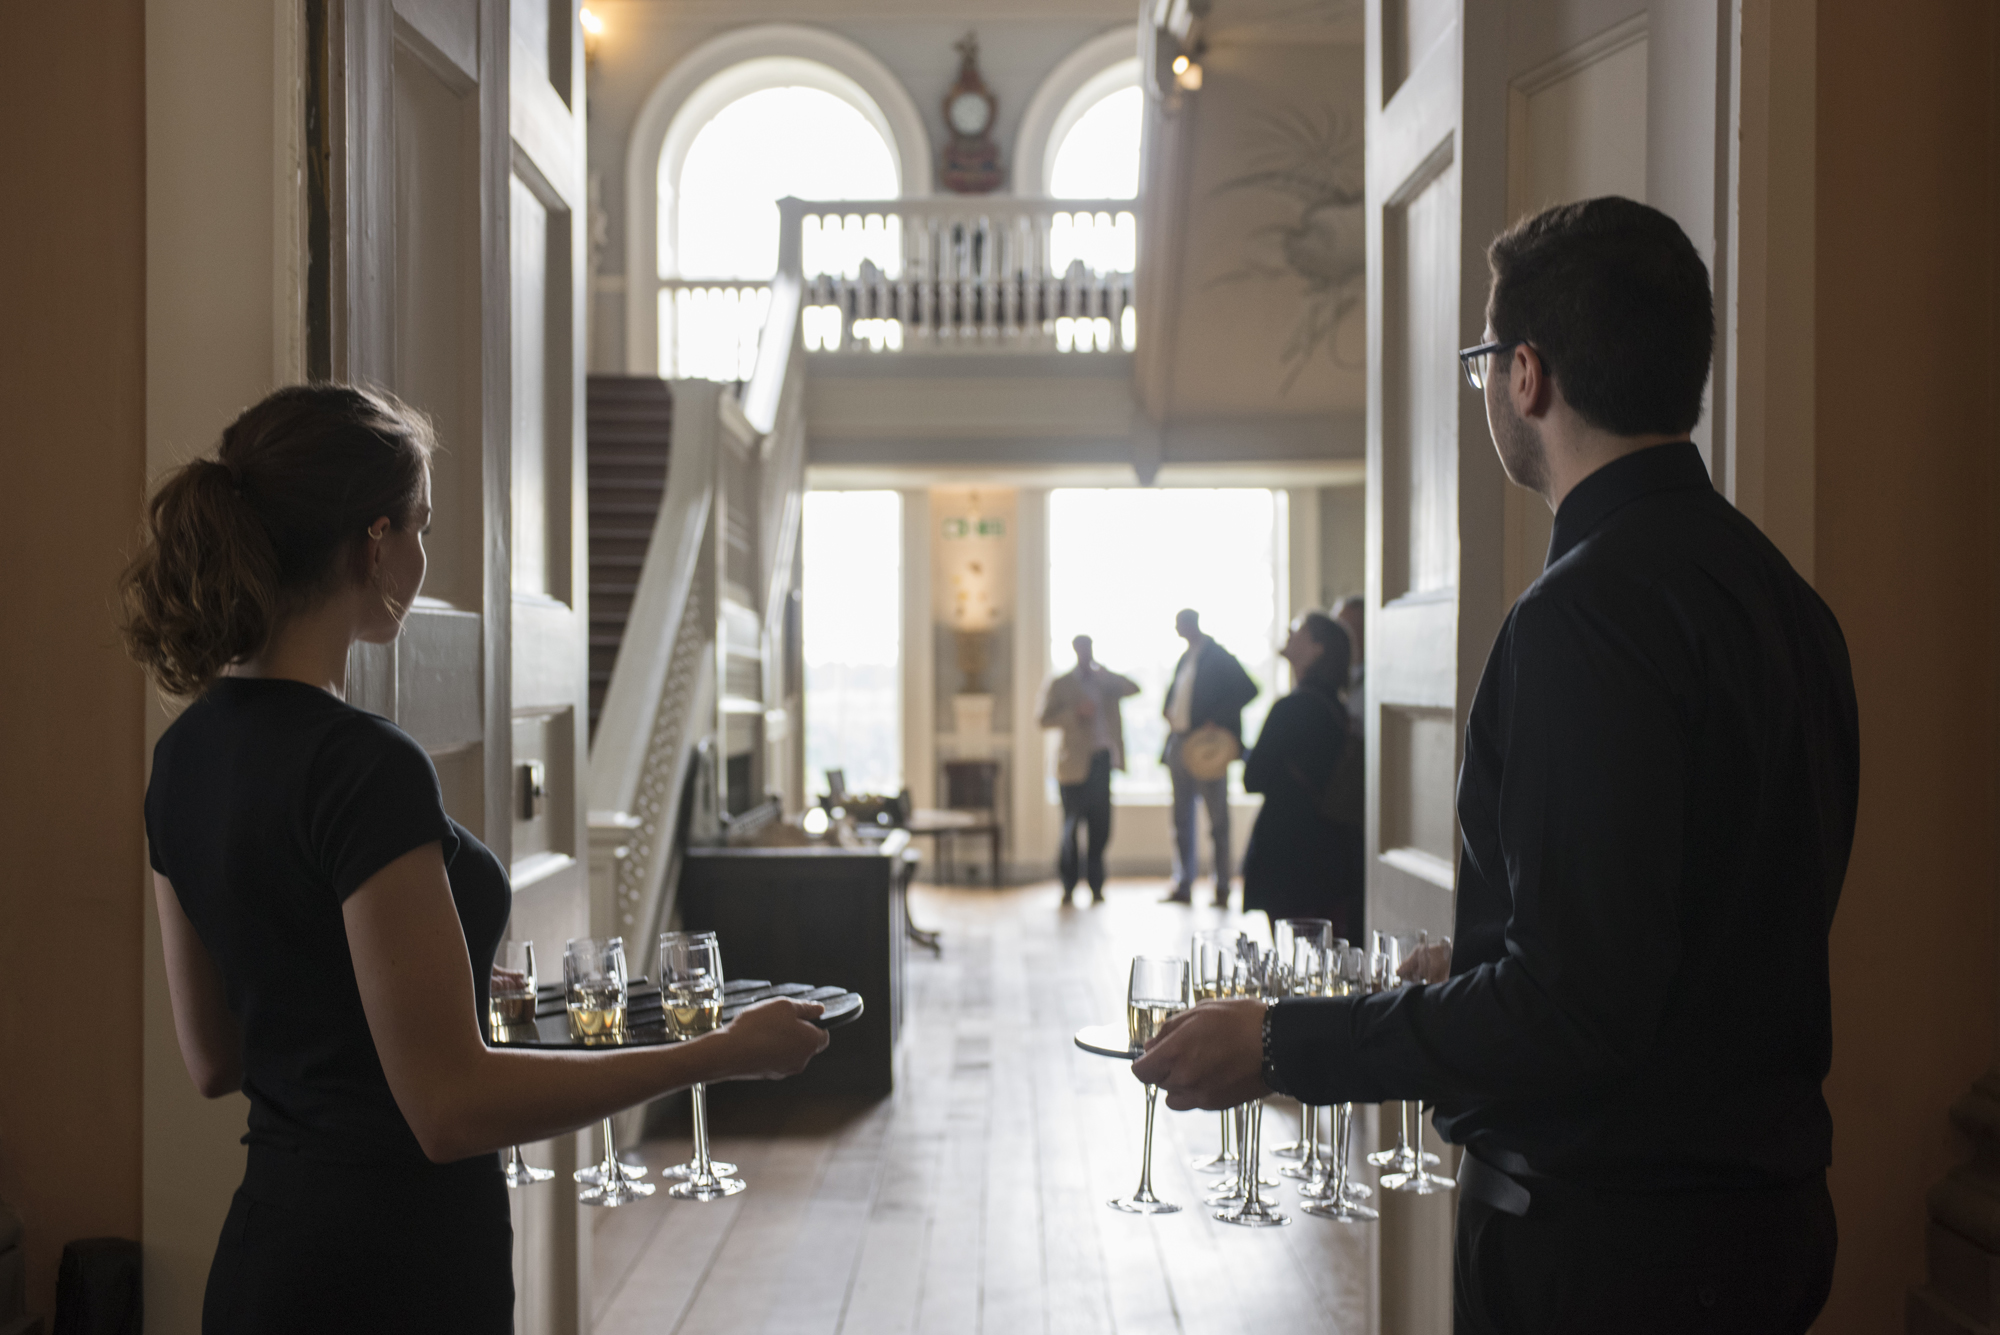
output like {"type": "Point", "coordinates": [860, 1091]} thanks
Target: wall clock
{"type": "Point", "coordinates": [971, 158]}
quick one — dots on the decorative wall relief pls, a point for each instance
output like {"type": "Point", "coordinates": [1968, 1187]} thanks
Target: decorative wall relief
{"type": "Point", "coordinates": [1311, 158]}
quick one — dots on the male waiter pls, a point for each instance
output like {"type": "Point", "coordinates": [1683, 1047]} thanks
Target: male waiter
{"type": "Point", "coordinates": [1657, 803]}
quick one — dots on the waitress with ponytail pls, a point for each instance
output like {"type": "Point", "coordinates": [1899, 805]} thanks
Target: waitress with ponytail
{"type": "Point", "coordinates": [329, 931]}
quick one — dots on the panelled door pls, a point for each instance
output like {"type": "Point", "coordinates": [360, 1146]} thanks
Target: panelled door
{"type": "Point", "coordinates": [1478, 112]}
{"type": "Point", "coordinates": [453, 263]}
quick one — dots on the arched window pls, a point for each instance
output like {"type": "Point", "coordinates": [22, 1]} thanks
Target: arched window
{"type": "Point", "coordinates": [1096, 155]}
{"type": "Point", "coordinates": [743, 121]}
{"type": "Point", "coordinates": [1079, 139]}
{"type": "Point", "coordinates": [1085, 84]}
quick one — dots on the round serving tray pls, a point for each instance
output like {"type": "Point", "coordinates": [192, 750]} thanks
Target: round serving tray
{"type": "Point", "coordinates": [1108, 1040]}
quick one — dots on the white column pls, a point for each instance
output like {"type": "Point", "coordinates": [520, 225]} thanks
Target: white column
{"type": "Point", "coordinates": [1032, 831]}
{"type": "Point", "coordinates": [919, 672]}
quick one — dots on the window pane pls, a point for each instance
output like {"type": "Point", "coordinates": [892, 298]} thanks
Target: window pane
{"type": "Point", "coordinates": [1099, 157]}
{"type": "Point", "coordinates": [851, 603]}
{"type": "Point", "coordinates": [757, 150]}
{"type": "Point", "coordinates": [1123, 562]}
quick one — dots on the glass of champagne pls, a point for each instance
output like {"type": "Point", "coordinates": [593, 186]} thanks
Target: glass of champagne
{"type": "Point", "coordinates": [1312, 969]}
{"type": "Point", "coordinates": [1158, 989]}
{"type": "Point", "coordinates": [1341, 1199]}
{"type": "Point", "coordinates": [1210, 951]}
{"type": "Point", "coordinates": [691, 998]}
{"type": "Point", "coordinates": [1287, 937]}
{"type": "Point", "coordinates": [510, 1015]}
{"type": "Point", "coordinates": [594, 994]}
{"type": "Point", "coordinates": [1386, 954]}
{"type": "Point", "coordinates": [1420, 1180]}
{"type": "Point", "coordinates": [1263, 977]}
{"type": "Point", "coordinates": [715, 1166]}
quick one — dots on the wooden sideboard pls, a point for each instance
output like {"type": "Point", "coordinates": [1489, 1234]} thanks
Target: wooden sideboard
{"type": "Point", "coordinates": [821, 915]}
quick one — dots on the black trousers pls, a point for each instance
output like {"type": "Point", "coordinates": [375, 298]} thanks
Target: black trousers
{"type": "Point", "coordinates": [1086, 804]}
{"type": "Point", "coordinates": [313, 1248]}
{"type": "Point", "coordinates": [1743, 1262]}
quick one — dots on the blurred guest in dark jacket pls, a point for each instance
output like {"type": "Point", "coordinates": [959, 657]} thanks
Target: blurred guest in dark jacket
{"type": "Point", "coordinates": [1304, 859]}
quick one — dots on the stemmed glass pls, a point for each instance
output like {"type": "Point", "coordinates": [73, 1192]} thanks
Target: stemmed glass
{"type": "Point", "coordinates": [1338, 1198]}
{"type": "Point", "coordinates": [1262, 977]}
{"type": "Point", "coordinates": [1213, 952]}
{"type": "Point", "coordinates": [1313, 973]}
{"type": "Point", "coordinates": [715, 1166]}
{"type": "Point", "coordinates": [1158, 989]}
{"type": "Point", "coordinates": [1419, 1179]}
{"type": "Point", "coordinates": [1386, 954]}
{"type": "Point", "coordinates": [510, 1012]}
{"type": "Point", "coordinates": [594, 993]}
{"type": "Point", "coordinates": [1287, 937]}
{"type": "Point", "coordinates": [691, 997]}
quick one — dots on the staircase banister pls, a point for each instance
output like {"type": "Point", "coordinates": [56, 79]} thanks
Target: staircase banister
{"type": "Point", "coordinates": [775, 349]}
{"type": "Point", "coordinates": [618, 752]}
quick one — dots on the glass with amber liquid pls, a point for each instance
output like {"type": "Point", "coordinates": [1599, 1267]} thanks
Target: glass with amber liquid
{"type": "Point", "coordinates": [691, 997]}
{"type": "Point", "coordinates": [510, 1017]}
{"type": "Point", "coordinates": [594, 994]}
{"type": "Point", "coordinates": [510, 995]}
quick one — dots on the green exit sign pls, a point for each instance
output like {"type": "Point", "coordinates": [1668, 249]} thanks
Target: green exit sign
{"type": "Point", "coordinates": [969, 528]}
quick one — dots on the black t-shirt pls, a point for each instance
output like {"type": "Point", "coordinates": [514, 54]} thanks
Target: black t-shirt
{"type": "Point", "coordinates": [271, 802]}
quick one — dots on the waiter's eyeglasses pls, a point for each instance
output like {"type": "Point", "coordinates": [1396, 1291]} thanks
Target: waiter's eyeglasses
{"type": "Point", "coordinates": [1476, 363]}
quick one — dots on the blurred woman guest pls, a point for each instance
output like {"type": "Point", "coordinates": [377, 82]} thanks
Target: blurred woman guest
{"type": "Point", "coordinates": [329, 931]}
{"type": "Point", "coordinates": [1304, 859]}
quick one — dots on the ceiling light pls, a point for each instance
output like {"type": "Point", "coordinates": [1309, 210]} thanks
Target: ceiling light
{"type": "Point", "coordinates": [593, 24]}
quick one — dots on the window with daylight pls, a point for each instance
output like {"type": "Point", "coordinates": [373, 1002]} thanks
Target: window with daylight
{"type": "Point", "coordinates": [852, 605]}
{"type": "Point", "coordinates": [718, 245]}
{"type": "Point", "coordinates": [1094, 154]}
{"type": "Point", "coordinates": [1123, 562]}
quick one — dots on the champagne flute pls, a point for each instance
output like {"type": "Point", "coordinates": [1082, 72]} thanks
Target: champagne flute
{"type": "Point", "coordinates": [1209, 951]}
{"type": "Point", "coordinates": [1265, 978]}
{"type": "Point", "coordinates": [1287, 934]}
{"type": "Point", "coordinates": [715, 1166]}
{"type": "Point", "coordinates": [1158, 989]}
{"type": "Point", "coordinates": [594, 993]}
{"type": "Point", "coordinates": [691, 998]}
{"type": "Point", "coordinates": [1341, 1199]}
{"type": "Point", "coordinates": [586, 983]}
{"type": "Point", "coordinates": [1312, 975]}
{"type": "Point", "coordinates": [510, 1014]}
{"type": "Point", "coordinates": [1421, 1181]}
{"type": "Point", "coordinates": [1385, 963]}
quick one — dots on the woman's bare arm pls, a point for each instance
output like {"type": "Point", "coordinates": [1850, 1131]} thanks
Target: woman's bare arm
{"type": "Point", "coordinates": [461, 1097]}
{"type": "Point", "coordinates": [211, 1042]}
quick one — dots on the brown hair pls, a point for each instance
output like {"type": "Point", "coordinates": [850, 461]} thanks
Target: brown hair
{"type": "Point", "coordinates": [235, 544]}
{"type": "Point", "coordinates": [1328, 672]}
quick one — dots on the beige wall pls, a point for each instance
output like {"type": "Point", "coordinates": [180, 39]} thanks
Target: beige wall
{"type": "Point", "coordinates": [1905, 554]}
{"type": "Point", "coordinates": [211, 345]}
{"type": "Point", "coordinates": [72, 730]}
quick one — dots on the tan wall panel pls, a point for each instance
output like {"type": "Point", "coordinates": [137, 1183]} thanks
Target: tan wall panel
{"type": "Point", "coordinates": [73, 727]}
{"type": "Point", "coordinates": [1905, 555]}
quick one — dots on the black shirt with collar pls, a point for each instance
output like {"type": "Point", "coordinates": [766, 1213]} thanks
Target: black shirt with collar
{"type": "Point", "coordinates": [1657, 804]}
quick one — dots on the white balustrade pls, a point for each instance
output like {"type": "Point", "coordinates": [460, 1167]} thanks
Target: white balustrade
{"type": "Point", "coordinates": [949, 274]}
{"type": "Point", "coordinates": [963, 273]}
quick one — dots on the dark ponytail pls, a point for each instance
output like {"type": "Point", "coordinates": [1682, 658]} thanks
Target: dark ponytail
{"type": "Point", "coordinates": [235, 544]}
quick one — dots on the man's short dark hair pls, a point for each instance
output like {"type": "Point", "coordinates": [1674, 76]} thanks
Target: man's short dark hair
{"type": "Point", "coordinates": [1615, 298]}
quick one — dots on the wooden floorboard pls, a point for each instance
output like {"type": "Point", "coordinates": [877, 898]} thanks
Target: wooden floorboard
{"type": "Point", "coordinates": [974, 1199]}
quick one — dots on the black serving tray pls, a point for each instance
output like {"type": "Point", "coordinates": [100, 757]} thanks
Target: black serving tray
{"type": "Point", "coordinates": [646, 1026]}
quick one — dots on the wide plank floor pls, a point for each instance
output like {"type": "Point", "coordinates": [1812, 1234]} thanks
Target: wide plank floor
{"type": "Point", "coordinates": [973, 1200]}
